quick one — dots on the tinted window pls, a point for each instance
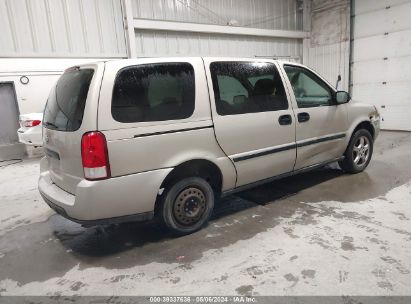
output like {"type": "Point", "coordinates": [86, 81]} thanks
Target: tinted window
{"type": "Point", "coordinates": [247, 87]}
{"type": "Point", "coordinates": [230, 87]}
{"type": "Point", "coordinates": [154, 92]}
{"type": "Point", "coordinates": [254, 79]}
{"type": "Point", "coordinates": [309, 90]}
{"type": "Point", "coordinates": [65, 105]}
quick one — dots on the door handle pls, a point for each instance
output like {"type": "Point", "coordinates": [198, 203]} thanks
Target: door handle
{"type": "Point", "coordinates": [303, 117]}
{"type": "Point", "coordinates": [285, 120]}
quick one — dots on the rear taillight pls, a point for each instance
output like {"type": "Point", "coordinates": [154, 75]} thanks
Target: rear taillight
{"type": "Point", "coordinates": [30, 123]}
{"type": "Point", "coordinates": [94, 155]}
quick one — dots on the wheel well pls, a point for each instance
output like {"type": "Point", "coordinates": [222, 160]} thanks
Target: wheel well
{"type": "Point", "coordinates": [196, 168]}
{"type": "Point", "coordinates": [367, 126]}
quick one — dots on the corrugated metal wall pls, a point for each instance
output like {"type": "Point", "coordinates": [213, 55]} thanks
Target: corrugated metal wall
{"type": "Point", "coordinates": [94, 28]}
{"type": "Point", "coordinates": [150, 43]}
{"type": "Point", "coordinates": [61, 28]}
{"type": "Point", "coordinates": [329, 46]}
{"type": "Point", "coordinates": [266, 14]}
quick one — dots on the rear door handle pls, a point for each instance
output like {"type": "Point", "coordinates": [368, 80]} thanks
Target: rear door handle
{"type": "Point", "coordinates": [303, 117]}
{"type": "Point", "coordinates": [285, 120]}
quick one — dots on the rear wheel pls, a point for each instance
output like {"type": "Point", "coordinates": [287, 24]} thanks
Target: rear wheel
{"type": "Point", "coordinates": [359, 152]}
{"type": "Point", "coordinates": [187, 205]}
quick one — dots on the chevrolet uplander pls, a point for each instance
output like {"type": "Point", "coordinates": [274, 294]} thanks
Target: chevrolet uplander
{"type": "Point", "coordinates": [134, 139]}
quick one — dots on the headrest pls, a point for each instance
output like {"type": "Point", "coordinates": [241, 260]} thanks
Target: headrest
{"type": "Point", "coordinates": [294, 79]}
{"type": "Point", "coordinates": [264, 87]}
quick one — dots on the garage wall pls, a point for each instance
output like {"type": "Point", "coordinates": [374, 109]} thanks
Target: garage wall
{"type": "Point", "coordinates": [157, 43]}
{"type": "Point", "coordinates": [41, 38]}
{"type": "Point", "coordinates": [381, 67]}
{"type": "Point", "coordinates": [266, 14]}
{"type": "Point", "coordinates": [260, 14]}
{"type": "Point", "coordinates": [61, 28]}
{"type": "Point", "coordinates": [327, 51]}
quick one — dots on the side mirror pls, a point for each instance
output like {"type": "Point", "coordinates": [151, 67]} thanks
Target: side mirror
{"type": "Point", "coordinates": [342, 97]}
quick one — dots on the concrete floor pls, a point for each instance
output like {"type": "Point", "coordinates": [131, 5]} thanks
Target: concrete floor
{"type": "Point", "coordinates": [321, 233]}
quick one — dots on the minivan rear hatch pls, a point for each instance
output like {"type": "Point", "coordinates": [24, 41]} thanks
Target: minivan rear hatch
{"type": "Point", "coordinates": [71, 110]}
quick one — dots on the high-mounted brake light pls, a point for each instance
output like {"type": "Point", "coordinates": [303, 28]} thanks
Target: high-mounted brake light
{"type": "Point", "coordinates": [94, 155]}
{"type": "Point", "coordinates": [30, 123]}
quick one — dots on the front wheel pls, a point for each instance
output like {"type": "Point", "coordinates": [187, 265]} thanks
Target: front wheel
{"type": "Point", "coordinates": [187, 205]}
{"type": "Point", "coordinates": [358, 153]}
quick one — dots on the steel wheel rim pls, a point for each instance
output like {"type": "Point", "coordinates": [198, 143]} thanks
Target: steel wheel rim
{"type": "Point", "coordinates": [361, 151]}
{"type": "Point", "coordinates": [189, 206]}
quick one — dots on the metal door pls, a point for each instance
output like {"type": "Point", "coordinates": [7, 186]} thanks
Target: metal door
{"type": "Point", "coordinates": [8, 114]}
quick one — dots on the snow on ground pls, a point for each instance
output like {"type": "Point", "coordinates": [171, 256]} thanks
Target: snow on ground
{"type": "Point", "coordinates": [358, 248]}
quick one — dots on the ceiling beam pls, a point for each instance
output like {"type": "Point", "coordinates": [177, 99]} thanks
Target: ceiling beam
{"type": "Point", "coordinates": [158, 25]}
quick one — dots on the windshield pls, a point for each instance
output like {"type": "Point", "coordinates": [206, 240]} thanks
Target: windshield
{"type": "Point", "coordinates": [66, 102]}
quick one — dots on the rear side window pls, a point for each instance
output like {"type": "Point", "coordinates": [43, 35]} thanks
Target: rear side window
{"type": "Point", "coordinates": [247, 87]}
{"type": "Point", "coordinates": [154, 92]}
{"type": "Point", "coordinates": [65, 105]}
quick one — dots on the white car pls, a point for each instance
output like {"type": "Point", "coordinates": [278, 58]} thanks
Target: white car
{"type": "Point", "coordinates": [30, 132]}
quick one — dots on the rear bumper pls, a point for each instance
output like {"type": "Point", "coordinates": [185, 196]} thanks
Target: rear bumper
{"type": "Point", "coordinates": [32, 136]}
{"type": "Point", "coordinates": [146, 216]}
{"type": "Point", "coordinates": [114, 200]}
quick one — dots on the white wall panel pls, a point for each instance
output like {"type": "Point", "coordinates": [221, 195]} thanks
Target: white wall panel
{"type": "Point", "coordinates": [395, 44]}
{"type": "Point", "coordinates": [381, 72]}
{"type": "Point", "coordinates": [367, 6]}
{"type": "Point", "coordinates": [395, 18]}
{"type": "Point", "coordinates": [330, 61]}
{"type": "Point", "coordinates": [262, 14]}
{"type": "Point", "coordinates": [7, 42]}
{"type": "Point", "coordinates": [395, 69]}
{"type": "Point", "coordinates": [153, 43]}
{"type": "Point", "coordinates": [268, 14]}
{"type": "Point", "coordinates": [386, 95]}
{"type": "Point", "coordinates": [61, 28]}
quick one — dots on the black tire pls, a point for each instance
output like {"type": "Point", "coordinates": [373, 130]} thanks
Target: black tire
{"type": "Point", "coordinates": [186, 206]}
{"type": "Point", "coordinates": [349, 163]}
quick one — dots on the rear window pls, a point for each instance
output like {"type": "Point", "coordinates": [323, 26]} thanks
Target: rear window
{"type": "Point", "coordinates": [65, 105]}
{"type": "Point", "coordinates": [154, 92]}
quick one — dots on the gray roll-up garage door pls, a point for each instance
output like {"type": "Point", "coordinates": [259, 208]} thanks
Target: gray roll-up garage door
{"type": "Point", "coordinates": [8, 114]}
{"type": "Point", "coordinates": [9, 146]}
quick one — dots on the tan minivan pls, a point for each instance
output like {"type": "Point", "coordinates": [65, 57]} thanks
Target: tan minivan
{"type": "Point", "coordinates": [132, 139]}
